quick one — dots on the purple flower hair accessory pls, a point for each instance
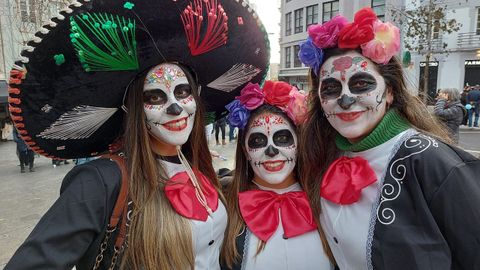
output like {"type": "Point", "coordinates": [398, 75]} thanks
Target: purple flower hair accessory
{"type": "Point", "coordinates": [311, 55]}
{"type": "Point", "coordinates": [238, 114]}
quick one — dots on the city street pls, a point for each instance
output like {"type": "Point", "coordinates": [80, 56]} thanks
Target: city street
{"type": "Point", "coordinates": [25, 197]}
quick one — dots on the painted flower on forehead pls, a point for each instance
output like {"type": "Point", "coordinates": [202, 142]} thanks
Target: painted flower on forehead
{"type": "Point", "coordinates": [297, 106]}
{"type": "Point", "coordinates": [342, 63]}
{"type": "Point", "coordinates": [277, 93]}
{"type": "Point", "coordinates": [238, 114]}
{"type": "Point", "coordinates": [251, 96]}
{"type": "Point", "coordinates": [385, 45]}
{"type": "Point", "coordinates": [310, 55]}
{"type": "Point", "coordinates": [326, 35]}
{"type": "Point", "coordinates": [360, 31]}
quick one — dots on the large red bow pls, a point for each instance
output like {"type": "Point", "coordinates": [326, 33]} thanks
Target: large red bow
{"type": "Point", "coordinates": [345, 178]}
{"type": "Point", "coordinates": [259, 209]}
{"type": "Point", "coordinates": [181, 194]}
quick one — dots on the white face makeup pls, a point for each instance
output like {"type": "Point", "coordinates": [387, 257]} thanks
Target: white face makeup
{"type": "Point", "coordinates": [168, 104]}
{"type": "Point", "coordinates": [353, 95]}
{"type": "Point", "coordinates": [271, 145]}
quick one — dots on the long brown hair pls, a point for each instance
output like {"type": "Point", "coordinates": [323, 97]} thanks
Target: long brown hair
{"type": "Point", "coordinates": [159, 238]}
{"type": "Point", "coordinates": [317, 147]}
{"type": "Point", "coordinates": [242, 181]}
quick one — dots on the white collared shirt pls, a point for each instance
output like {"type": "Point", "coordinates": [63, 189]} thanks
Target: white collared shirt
{"type": "Point", "coordinates": [303, 252]}
{"type": "Point", "coordinates": [207, 235]}
{"type": "Point", "coordinates": [346, 226]}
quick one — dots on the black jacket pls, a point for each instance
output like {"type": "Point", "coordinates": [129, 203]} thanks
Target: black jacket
{"type": "Point", "coordinates": [451, 114]}
{"type": "Point", "coordinates": [71, 231]}
{"type": "Point", "coordinates": [428, 216]}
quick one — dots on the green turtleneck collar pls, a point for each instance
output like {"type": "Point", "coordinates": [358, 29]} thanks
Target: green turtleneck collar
{"type": "Point", "coordinates": [390, 126]}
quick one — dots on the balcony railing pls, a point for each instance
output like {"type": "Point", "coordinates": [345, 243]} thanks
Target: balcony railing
{"type": "Point", "coordinates": [468, 40]}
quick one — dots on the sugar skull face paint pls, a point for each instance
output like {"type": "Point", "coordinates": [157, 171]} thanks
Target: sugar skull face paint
{"type": "Point", "coordinates": [353, 95]}
{"type": "Point", "coordinates": [271, 145]}
{"type": "Point", "coordinates": [169, 104]}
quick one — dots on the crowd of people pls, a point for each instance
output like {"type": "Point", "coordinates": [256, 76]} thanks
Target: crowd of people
{"type": "Point", "coordinates": [356, 174]}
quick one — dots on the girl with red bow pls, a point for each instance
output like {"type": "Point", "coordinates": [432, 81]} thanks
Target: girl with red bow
{"type": "Point", "coordinates": [271, 225]}
{"type": "Point", "coordinates": [390, 190]}
{"type": "Point", "coordinates": [139, 70]}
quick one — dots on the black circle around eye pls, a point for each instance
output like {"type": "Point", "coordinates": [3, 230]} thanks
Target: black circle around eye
{"type": "Point", "coordinates": [330, 88]}
{"type": "Point", "coordinates": [283, 138]}
{"type": "Point", "coordinates": [257, 140]}
{"type": "Point", "coordinates": [155, 97]}
{"type": "Point", "coordinates": [361, 83]}
{"type": "Point", "coordinates": [182, 91]}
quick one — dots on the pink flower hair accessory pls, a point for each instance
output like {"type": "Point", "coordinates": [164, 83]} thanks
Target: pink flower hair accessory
{"type": "Point", "coordinates": [297, 106]}
{"type": "Point", "coordinates": [251, 96]}
{"type": "Point", "coordinates": [326, 35]}
{"type": "Point", "coordinates": [385, 44]}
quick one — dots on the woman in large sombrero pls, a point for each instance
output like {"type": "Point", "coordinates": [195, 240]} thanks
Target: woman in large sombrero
{"type": "Point", "coordinates": [138, 70]}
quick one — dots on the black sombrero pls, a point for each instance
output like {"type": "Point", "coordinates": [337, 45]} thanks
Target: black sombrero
{"type": "Point", "coordinates": [66, 91]}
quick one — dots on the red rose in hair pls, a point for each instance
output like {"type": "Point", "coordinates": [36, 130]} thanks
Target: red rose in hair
{"type": "Point", "coordinates": [359, 32]}
{"type": "Point", "coordinates": [277, 93]}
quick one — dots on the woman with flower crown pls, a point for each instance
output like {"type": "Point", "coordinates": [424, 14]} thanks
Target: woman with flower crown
{"type": "Point", "coordinates": [104, 70]}
{"type": "Point", "coordinates": [271, 225]}
{"type": "Point", "coordinates": [389, 188]}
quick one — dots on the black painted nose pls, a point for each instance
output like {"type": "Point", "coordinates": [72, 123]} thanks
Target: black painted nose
{"type": "Point", "coordinates": [346, 101]}
{"type": "Point", "coordinates": [271, 151]}
{"type": "Point", "coordinates": [174, 109]}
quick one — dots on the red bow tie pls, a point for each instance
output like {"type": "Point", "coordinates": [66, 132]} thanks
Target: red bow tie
{"type": "Point", "coordinates": [259, 209]}
{"type": "Point", "coordinates": [181, 194]}
{"type": "Point", "coordinates": [345, 178]}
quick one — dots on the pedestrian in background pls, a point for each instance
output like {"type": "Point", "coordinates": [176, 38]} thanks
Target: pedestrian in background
{"type": "Point", "coordinates": [473, 99]}
{"type": "Point", "coordinates": [25, 154]}
{"type": "Point", "coordinates": [463, 100]}
{"type": "Point", "coordinates": [231, 132]}
{"type": "Point", "coordinates": [220, 126]}
{"type": "Point", "coordinates": [450, 110]}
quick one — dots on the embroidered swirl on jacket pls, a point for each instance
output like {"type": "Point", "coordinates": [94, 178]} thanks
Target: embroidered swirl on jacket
{"type": "Point", "coordinates": [398, 172]}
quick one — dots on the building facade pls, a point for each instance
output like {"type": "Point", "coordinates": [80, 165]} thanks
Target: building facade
{"type": "Point", "coordinates": [297, 15]}
{"type": "Point", "coordinates": [19, 20]}
{"type": "Point", "coordinates": [458, 64]}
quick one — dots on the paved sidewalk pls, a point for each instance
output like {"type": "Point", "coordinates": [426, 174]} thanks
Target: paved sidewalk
{"type": "Point", "coordinates": [25, 197]}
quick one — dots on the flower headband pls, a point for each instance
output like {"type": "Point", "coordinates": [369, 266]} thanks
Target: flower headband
{"type": "Point", "coordinates": [379, 41]}
{"type": "Point", "coordinates": [279, 94]}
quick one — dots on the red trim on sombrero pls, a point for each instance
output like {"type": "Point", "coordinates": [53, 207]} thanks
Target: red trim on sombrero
{"type": "Point", "coordinates": [20, 125]}
{"type": "Point", "coordinates": [17, 118]}
{"type": "Point", "coordinates": [15, 80]}
{"type": "Point", "coordinates": [14, 109]}
{"type": "Point", "coordinates": [15, 101]}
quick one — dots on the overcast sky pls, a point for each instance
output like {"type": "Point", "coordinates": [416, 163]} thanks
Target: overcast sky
{"type": "Point", "coordinates": [269, 12]}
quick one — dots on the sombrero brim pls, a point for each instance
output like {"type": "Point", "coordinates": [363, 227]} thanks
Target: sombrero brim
{"type": "Point", "coordinates": [65, 107]}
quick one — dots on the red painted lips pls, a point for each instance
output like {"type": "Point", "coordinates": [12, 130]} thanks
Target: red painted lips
{"type": "Point", "coordinates": [176, 125]}
{"type": "Point", "coordinates": [348, 117]}
{"type": "Point", "coordinates": [274, 165]}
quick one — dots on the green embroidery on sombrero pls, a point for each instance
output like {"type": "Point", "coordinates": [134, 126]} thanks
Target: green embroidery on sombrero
{"type": "Point", "coordinates": [104, 42]}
